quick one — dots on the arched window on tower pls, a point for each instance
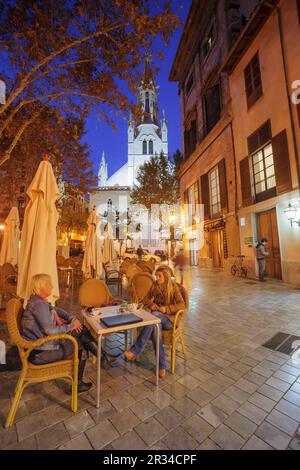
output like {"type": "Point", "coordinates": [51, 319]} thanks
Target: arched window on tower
{"type": "Point", "coordinates": [147, 106]}
{"type": "Point", "coordinates": [150, 147]}
{"type": "Point", "coordinates": [144, 147]}
{"type": "Point", "coordinates": [109, 205]}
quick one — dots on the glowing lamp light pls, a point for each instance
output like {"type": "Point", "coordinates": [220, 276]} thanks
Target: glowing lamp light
{"type": "Point", "coordinates": [2, 227]}
{"type": "Point", "coordinates": [293, 214]}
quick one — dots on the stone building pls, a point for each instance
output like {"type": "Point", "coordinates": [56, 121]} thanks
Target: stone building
{"type": "Point", "coordinates": [208, 172]}
{"type": "Point", "coordinates": [263, 66]}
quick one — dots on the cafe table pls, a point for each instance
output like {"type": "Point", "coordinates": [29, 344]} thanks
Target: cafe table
{"type": "Point", "coordinates": [92, 320]}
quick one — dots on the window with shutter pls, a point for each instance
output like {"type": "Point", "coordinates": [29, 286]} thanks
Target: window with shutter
{"type": "Point", "coordinates": [253, 84]}
{"type": "Point", "coordinates": [214, 191]}
{"type": "Point", "coordinates": [212, 103]}
{"type": "Point", "coordinates": [205, 195]}
{"type": "Point", "coordinates": [190, 139]}
{"type": "Point", "coordinates": [247, 197]}
{"type": "Point", "coordinates": [260, 137]}
{"type": "Point", "coordinates": [223, 185]}
{"type": "Point", "coordinates": [282, 163]}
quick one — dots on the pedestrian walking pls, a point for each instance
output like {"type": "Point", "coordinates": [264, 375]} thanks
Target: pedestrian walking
{"type": "Point", "coordinates": [140, 252]}
{"type": "Point", "coordinates": [180, 261]}
{"type": "Point", "coordinates": [261, 255]}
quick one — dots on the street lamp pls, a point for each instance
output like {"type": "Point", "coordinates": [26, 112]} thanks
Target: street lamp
{"type": "Point", "coordinates": [292, 213]}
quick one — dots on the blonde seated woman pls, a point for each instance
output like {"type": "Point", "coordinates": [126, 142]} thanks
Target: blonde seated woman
{"type": "Point", "coordinates": [41, 319]}
{"type": "Point", "coordinates": [164, 300]}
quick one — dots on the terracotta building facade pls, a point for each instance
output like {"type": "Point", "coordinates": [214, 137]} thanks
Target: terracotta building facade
{"type": "Point", "coordinates": [262, 67]}
{"type": "Point", "coordinates": [208, 172]}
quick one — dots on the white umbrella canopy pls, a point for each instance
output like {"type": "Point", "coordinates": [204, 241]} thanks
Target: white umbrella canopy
{"type": "Point", "coordinates": [109, 253]}
{"type": "Point", "coordinates": [38, 239]}
{"type": "Point", "coordinates": [10, 245]}
{"type": "Point", "coordinates": [92, 260]}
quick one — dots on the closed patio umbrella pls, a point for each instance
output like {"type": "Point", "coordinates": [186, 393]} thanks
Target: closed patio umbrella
{"type": "Point", "coordinates": [10, 245]}
{"type": "Point", "coordinates": [38, 239]}
{"type": "Point", "coordinates": [92, 260]}
{"type": "Point", "coordinates": [109, 253]}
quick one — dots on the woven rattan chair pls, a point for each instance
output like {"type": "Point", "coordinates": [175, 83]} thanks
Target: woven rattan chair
{"type": "Point", "coordinates": [113, 277]}
{"type": "Point", "coordinates": [171, 337]}
{"type": "Point", "coordinates": [8, 283]}
{"type": "Point", "coordinates": [140, 285]}
{"type": "Point", "coordinates": [30, 374]}
{"type": "Point", "coordinates": [131, 271]}
{"type": "Point", "coordinates": [60, 260]}
{"type": "Point", "coordinates": [95, 293]}
{"type": "Point", "coordinates": [167, 268]}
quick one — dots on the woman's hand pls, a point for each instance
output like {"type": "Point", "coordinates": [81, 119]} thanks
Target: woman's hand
{"type": "Point", "coordinates": [162, 309]}
{"type": "Point", "coordinates": [77, 326]}
{"type": "Point", "coordinates": [154, 307]}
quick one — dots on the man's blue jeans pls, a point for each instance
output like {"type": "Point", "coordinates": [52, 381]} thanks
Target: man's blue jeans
{"type": "Point", "coordinates": [149, 332]}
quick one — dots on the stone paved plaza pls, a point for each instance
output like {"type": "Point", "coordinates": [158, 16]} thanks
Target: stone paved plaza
{"type": "Point", "coordinates": [229, 392]}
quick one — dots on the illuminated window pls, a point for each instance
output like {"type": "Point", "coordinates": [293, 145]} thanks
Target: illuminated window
{"type": "Point", "coordinates": [214, 191]}
{"type": "Point", "coordinates": [263, 169]}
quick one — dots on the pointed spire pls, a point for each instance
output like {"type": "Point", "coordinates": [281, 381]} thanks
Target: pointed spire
{"type": "Point", "coordinates": [148, 74]}
{"type": "Point", "coordinates": [103, 156]}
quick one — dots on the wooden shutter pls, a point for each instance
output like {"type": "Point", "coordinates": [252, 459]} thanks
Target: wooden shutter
{"type": "Point", "coordinates": [253, 85]}
{"type": "Point", "coordinates": [205, 195]}
{"type": "Point", "coordinates": [282, 163]}
{"type": "Point", "coordinates": [298, 111]}
{"type": "Point", "coordinates": [246, 182]}
{"type": "Point", "coordinates": [298, 8]}
{"type": "Point", "coordinates": [223, 184]}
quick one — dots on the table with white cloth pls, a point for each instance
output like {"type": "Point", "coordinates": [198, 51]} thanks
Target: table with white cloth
{"type": "Point", "coordinates": [98, 329]}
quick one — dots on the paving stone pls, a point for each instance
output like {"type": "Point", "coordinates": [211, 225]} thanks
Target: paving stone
{"type": "Point", "coordinates": [241, 425]}
{"type": "Point", "coordinates": [31, 425]}
{"type": "Point", "coordinates": [283, 422]}
{"type": "Point", "coordinates": [52, 437]}
{"type": "Point", "coordinates": [255, 414]}
{"type": "Point", "coordinates": [150, 431]}
{"type": "Point", "coordinates": [289, 409]}
{"type": "Point", "coordinates": [293, 397]}
{"type": "Point", "coordinates": [262, 402]}
{"type": "Point", "coordinates": [28, 444]}
{"type": "Point", "coordinates": [199, 396]}
{"type": "Point", "coordinates": [247, 386]}
{"type": "Point", "coordinates": [290, 370]}
{"type": "Point", "coordinates": [223, 380]}
{"type": "Point", "coordinates": [201, 375]}
{"type": "Point", "coordinates": [176, 390]}
{"type": "Point", "coordinates": [208, 444]}
{"type": "Point", "coordinates": [226, 438]}
{"type": "Point", "coordinates": [270, 392]}
{"type": "Point", "coordinates": [213, 415]}
{"type": "Point", "coordinates": [225, 404]}
{"type": "Point", "coordinates": [254, 443]}
{"type": "Point", "coordinates": [198, 428]}
{"type": "Point", "coordinates": [189, 382]}
{"type": "Point", "coordinates": [144, 409]}
{"type": "Point", "coordinates": [169, 418]}
{"type": "Point", "coordinates": [79, 423]}
{"type": "Point", "coordinates": [124, 421]}
{"type": "Point", "coordinates": [186, 407]}
{"type": "Point", "coordinates": [255, 378]}
{"type": "Point", "coordinates": [295, 444]}
{"type": "Point", "coordinates": [78, 443]}
{"type": "Point", "coordinates": [130, 440]}
{"type": "Point", "coordinates": [106, 410]}
{"type": "Point", "coordinates": [139, 391]}
{"type": "Point", "coordinates": [279, 384]}
{"type": "Point", "coordinates": [212, 388]}
{"type": "Point", "coordinates": [273, 436]}
{"type": "Point", "coordinates": [285, 377]}
{"type": "Point", "coordinates": [296, 387]}
{"type": "Point", "coordinates": [161, 398]}
{"type": "Point", "coordinates": [102, 434]}
{"type": "Point", "coordinates": [179, 439]}
{"type": "Point", "coordinates": [122, 400]}
{"type": "Point", "coordinates": [7, 437]}
{"type": "Point", "coordinates": [232, 373]}
{"type": "Point", "coordinates": [236, 394]}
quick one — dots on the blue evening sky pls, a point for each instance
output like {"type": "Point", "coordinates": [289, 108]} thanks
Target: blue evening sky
{"type": "Point", "coordinates": [101, 136]}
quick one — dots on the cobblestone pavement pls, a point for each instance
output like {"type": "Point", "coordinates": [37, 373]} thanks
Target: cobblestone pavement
{"type": "Point", "coordinates": [229, 392]}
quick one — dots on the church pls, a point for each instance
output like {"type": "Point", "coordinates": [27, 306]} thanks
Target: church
{"type": "Point", "coordinates": [146, 138]}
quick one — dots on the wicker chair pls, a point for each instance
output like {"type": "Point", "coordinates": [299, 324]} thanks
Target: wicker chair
{"type": "Point", "coordinates": [171, 337]}
{"type": "Point", "coordinates": [60, 260]}
{"type": "Point", "coordinates": [67, 369]}
{"type": "Point", "coordinates": [8, 283]}
{"type": "Point", "coordinates": [113, 277]}
{"type": "Point", "coordinates": [140, 285]}
{"type": "Point", "coordinates": [167, 268]}
{"type": "Point", "coordinates": [95, 293]}
{"type": "Point", "coordinates": [131, 271]}
{"type": "Point", "coordinates": [145, 266]}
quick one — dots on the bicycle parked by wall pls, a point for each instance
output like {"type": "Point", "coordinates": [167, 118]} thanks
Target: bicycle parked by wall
{"type": "Point", "coordinates": [238, 266]}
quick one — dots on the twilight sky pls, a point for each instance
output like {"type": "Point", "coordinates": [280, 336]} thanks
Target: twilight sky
{"type": "Point", "coordinates": [101, 136]}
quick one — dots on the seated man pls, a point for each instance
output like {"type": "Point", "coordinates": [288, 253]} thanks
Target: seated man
{"type": "Point", "coordinates": [40, 319]}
